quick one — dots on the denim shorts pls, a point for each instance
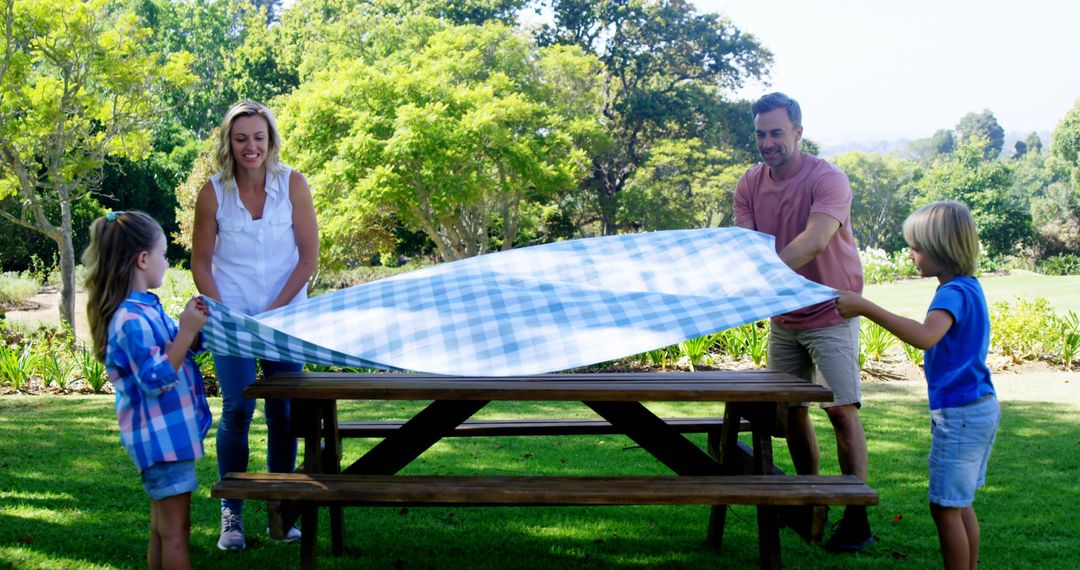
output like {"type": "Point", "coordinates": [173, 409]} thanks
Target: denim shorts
{"type": "Point", "coordinates": [960, 449]}
{"type": "Point", "coordinates": [164, 480]}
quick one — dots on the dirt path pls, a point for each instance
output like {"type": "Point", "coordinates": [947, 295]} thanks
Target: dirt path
{"type": "Point", "coordinates": [45, 308]}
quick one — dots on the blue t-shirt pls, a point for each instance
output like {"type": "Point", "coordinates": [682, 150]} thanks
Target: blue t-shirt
{"type": "Point", "coordinates": [956, 371]}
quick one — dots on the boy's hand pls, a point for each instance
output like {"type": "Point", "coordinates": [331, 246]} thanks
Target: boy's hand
{"type": "Point", "coordinates": [850, 304]}
{"type": "Point", "coordinates": [194, 316]}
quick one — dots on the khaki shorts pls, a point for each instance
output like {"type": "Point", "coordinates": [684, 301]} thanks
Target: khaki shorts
{"type": "Point", "coordinates": [828, 356]}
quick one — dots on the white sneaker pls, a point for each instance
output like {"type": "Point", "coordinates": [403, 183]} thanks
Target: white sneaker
{"type": "Point", "coordinates": [232, 530]}
{"type": "Point", "coordinates": [292, 536]}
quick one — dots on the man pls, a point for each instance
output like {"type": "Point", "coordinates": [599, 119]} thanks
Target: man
{"type": "Point", "coordinates": [805, 203]}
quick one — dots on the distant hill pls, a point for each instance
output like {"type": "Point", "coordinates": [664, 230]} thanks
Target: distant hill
{"type": "Point", "coordinates": [896, 146]}
{"type": "Point", "coordinates": [900, 146]}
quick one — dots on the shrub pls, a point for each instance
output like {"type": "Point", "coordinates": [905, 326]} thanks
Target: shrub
{"type": "Point", "coordinates": [1061, 264]}
{"type": "Point", "coordinates": [1024, 330]}
{"type": "Point", "coordinates": [881, 267]}
{"type": "Point", "coordinates": [16, 287]}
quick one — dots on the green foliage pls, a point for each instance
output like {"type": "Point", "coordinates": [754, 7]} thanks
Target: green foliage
{"type": "Point", "coordinates": [883, 194]}
{"type": "Point", "coordinates": [666, 72]}
{"type": "Point", "coordinates": [16, 364]}
{"type": "Point", "coordinates": [683, 184]}
{"type": "Point", "coordinates": [881, 267]}
{"type": "Point", "coordinates": [177, 288]}
{"type": "Point", "coordinates": [446, 138]}
{"type": "Point", "coordinates": [15, 287]}
{"type": "Point", "coordinates": [1003, 219]}
{"type": "Point", "coordinates": [1061, 264]}
{"type": "Point", "coordinates": [874, 341]}
{"type": "Point", "coordinates": [57, 366]}
{"type": "Point", "coordinates": [1070, 338]}
{"type": "Point", "coordinates": [983, 125]}
{"type": "Point", "coordinates": [91, 370]}
{"type": "Point", "coordinates": [77, 88]}
{"type": "Point", "coordinates": [1024, 330]}
{"type": "Point", "coordinates": [334, 280]}
{"type": "Point", "coordinates": [915, 355]}
{"type": "Point", "coordinates": [1065, 140]}
{"type": "Point", "coordinates": [695, 350]}
{"type": "Point", "coordinates": [750, 340]}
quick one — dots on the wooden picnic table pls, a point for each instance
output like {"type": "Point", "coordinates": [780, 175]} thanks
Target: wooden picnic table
{"type": "Point", "coordinates": [719, 476]}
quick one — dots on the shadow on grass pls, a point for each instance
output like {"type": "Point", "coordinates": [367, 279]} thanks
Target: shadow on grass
{"type": "Point", "coordinates": [70, 497]}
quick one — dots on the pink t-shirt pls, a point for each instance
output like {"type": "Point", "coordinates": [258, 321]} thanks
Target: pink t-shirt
{"type": "Point", "coordinates": [781, 209]}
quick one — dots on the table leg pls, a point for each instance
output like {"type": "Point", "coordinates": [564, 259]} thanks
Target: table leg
{"type": "Point", "coordinates": [768, 536]}
{"type": "Point", "coordinates": [310, 537]}
{"type": "Point", "coordinates": [725, 448]}
{"type": "Point", "coordinates": [332, 464]}
{"type": "Point", "coordinates": [762, 419]}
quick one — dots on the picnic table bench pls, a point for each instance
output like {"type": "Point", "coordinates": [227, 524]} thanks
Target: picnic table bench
{"type": "Point", "coordinates": [728, 473]}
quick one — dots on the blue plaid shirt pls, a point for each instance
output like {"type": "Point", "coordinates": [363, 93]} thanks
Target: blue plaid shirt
{"type": "Point", "coordinates": [163, 414]}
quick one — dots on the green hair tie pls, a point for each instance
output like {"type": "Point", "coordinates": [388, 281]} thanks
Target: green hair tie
{"type": "Point", "coordinates": [111, 216]}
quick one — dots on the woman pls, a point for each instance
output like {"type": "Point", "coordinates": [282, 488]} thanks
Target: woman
{"type": "Point", "coordinates": [254, 246]}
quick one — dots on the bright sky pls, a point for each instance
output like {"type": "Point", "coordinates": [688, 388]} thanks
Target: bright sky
{"type": "Point", "coordinates": [888, 69]}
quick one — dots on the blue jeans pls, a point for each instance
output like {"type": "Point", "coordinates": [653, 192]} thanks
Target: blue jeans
{"type": "Point", "coordinates": [234, 374]}
{"type": "Point", "coordinates": [168, 479]}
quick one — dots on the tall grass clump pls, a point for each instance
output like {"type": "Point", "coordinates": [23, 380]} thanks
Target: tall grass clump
{"type": "Point", "coordinates": [874, 341]}
{"type": "Point", "coordinates": [1069, 338]}
{"type": "Point", "coordinates": [16, 363]}
{"type": "Point", "coordinates": [17, 287]}
{"type": "Point", "coordinates": [91, 369]}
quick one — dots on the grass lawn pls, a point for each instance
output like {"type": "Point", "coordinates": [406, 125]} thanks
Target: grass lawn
{"type": "Point", "coordinates": [70, 498]}
{"type": "Point", "coordinates": [911, 298]}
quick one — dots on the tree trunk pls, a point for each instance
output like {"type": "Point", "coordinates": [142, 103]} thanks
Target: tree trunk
{"type": "Point", "coordinates": [67, 267]}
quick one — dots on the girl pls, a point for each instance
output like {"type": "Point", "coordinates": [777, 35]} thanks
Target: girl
{"type": "Point", "coordinates": [964, 411]}
{"type": "Point", "coordinates": [160, 401]}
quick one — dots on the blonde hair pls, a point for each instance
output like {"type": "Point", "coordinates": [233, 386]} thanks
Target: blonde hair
{"type": "Point", "coordinates": [116, 240]}
{"type": "Point", "coordinates": [946, 232]}
{"type": "Point", "coordinates": [223, 155]}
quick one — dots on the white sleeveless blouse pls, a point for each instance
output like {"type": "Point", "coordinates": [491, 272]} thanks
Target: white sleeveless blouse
{"type": "Point", "coordinates": [254, 258]}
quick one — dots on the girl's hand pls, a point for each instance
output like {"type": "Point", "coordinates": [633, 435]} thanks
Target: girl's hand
{"type": "Point", "coordinates": [850, 304]}
{"type": "Point", "coordinates": [194, 316]}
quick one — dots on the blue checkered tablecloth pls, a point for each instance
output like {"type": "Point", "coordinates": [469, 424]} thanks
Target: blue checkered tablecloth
{"type": "Point", "coordinates": [531, 310]}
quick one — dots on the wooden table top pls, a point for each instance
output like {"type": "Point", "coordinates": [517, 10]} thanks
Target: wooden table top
{"type": "Point", "coordinates": [702, 386]}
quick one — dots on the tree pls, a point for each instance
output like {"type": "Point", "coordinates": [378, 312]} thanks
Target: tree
{"type": "Point", "coordinates": [983, 125]}
{"type": "Point", "coordinates": [942, 142]}
{"type": "Point", "coordinates": [1034, 143]}
{"type": "Point", "coordinates": [1065, 141]}
{"type": "Point", "coordinates": [1019, 150]}
{"type": "Point", "coordinates": [76, 89]}
{"type": "Point", "coordinates": [1003, 218]}
{"type": "Point", "coordinates": [452, 139]}
{"type": "Point", "coordinates": [882, 196]}
{"type": "Point", "coordinates": [666, 72]}
{"type": "Point", "coordinates": [683, 184]}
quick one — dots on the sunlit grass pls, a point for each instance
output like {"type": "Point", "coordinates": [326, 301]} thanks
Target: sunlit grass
{"type": "Point", "coordinates": [70, 497]}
